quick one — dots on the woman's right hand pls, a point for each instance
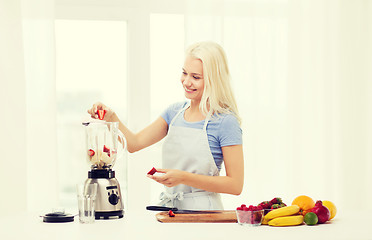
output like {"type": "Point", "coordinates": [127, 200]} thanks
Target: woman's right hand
{"type": "Point", "coordinates": [109, 115]}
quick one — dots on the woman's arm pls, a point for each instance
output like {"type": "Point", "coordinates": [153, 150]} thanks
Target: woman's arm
{"type": "Point", "coordinates": [232, 183]}
{"type": "Point", "coordinates": [135, 141]}
{"type": "Point", "coordinates": [146, 137]}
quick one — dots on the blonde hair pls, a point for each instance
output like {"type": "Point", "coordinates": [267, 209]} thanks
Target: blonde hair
{"type": "Point", "coordinates": [217, 93]}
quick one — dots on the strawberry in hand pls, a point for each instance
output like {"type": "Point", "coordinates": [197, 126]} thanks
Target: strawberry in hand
{"type": "Point", "coordinates": [101, 114]}
{"type": "Point", "coordinates": [152, 171]}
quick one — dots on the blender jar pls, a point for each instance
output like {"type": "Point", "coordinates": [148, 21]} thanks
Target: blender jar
{"type": "Point", "coordinates": [102, 142]}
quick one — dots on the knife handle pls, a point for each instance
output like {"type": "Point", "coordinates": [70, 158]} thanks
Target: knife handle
{"type": "Point", "coordinates": [160, 208]}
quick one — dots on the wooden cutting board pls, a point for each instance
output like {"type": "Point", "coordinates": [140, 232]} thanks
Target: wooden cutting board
{"type": "Point", "coordinates": [228, 216]}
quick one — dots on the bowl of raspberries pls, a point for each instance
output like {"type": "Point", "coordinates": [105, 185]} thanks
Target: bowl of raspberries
{"type": "Point", "coordinates": [249, 216]}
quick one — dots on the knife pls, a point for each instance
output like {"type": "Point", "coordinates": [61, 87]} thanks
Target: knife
{"type": "Point", "coordinates": [180, 211]}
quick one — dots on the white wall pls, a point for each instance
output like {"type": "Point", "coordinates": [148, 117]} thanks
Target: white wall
{"type": "Point", "coordinates": [13, 110]}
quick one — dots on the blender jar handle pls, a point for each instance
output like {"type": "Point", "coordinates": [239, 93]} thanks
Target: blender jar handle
{"type": "Point", "coordinates": [123, 142]}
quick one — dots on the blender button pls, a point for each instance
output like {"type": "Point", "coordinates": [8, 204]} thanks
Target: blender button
{"type": "Point", "coordinates": [113, 199]}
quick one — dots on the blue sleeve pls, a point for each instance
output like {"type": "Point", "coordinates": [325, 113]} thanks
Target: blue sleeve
{"type": "Point", "coordinates": [230, 132]}
{"type": "Point", "coordinates": [171, 111]}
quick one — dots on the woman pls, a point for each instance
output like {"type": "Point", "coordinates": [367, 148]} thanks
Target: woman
{"type": "Point", "coordinates": [200, 134]}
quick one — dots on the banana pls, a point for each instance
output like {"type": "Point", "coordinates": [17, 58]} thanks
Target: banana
{"type": "Point", "coordinates": [281, 212]}
{"type": "Point", "coordinates": [287, 221]}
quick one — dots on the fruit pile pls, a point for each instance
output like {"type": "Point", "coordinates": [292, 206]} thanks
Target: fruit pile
{"type": "Point", "coordinates": [251, 215]}
{"type": "Point", "coordinates": [272, 204]}
{"type": "Point", "coordinates": [315, 212]}
{"type": "Point", "coordinates": [303, 209]}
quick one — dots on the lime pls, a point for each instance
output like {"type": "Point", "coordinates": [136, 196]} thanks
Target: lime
{"type": "Point", "coordinates": [311, 218]}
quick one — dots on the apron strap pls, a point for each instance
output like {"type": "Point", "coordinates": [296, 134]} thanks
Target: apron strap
{"type": "Point", "coordinates": [184, 108]}
{"type": "Point", "coordinates": [207, 120]}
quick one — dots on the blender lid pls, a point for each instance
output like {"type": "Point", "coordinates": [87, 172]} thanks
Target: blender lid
{"type": "Point", "coordinates": [58, 217]}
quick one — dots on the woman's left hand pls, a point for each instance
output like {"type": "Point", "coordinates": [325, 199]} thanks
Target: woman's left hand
{"type": "Point", "coordinates": [171, 177]}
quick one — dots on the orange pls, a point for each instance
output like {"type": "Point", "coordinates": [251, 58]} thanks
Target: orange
{"type": "Point", "coordinates": [305, 203]}
{"type": "Point", "coordinates": [331, 207]}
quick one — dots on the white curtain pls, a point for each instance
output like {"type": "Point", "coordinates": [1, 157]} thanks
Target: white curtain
{"type": "Point", "coordinates": [301, 73]}
{"type": "Point", "coordinates": [28, 139]}
{"type": "Point", "coordinates": [39, 58]}
{"type": "Point", "coordinates": [13, 113]}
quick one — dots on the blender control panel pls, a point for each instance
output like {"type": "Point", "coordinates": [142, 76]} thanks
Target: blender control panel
{"type": "Point", "coordinates": [113, 194]}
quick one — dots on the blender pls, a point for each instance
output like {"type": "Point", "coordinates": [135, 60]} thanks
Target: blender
{"type": "Point", "coordinates": [102, 142]}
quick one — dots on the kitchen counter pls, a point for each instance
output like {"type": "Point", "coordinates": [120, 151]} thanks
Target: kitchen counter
{"type": "Point", "coordinates": [143, 225]}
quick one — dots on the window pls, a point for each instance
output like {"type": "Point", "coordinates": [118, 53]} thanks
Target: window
{"type": "Point", "coordinates": [91, 66]}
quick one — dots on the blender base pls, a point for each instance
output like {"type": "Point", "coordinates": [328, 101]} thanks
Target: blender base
{"type": "Point", "coordinates": [109, 215]}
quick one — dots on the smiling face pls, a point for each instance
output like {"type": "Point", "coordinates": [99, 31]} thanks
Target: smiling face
{"type": "Point", "coordinates": [192, 78]}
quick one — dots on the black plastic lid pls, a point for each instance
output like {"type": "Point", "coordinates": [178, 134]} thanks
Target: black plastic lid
{"type": "Point", "coordinates": [101, 173]}
{"type": "Point", "coordinates": [58, 217]}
